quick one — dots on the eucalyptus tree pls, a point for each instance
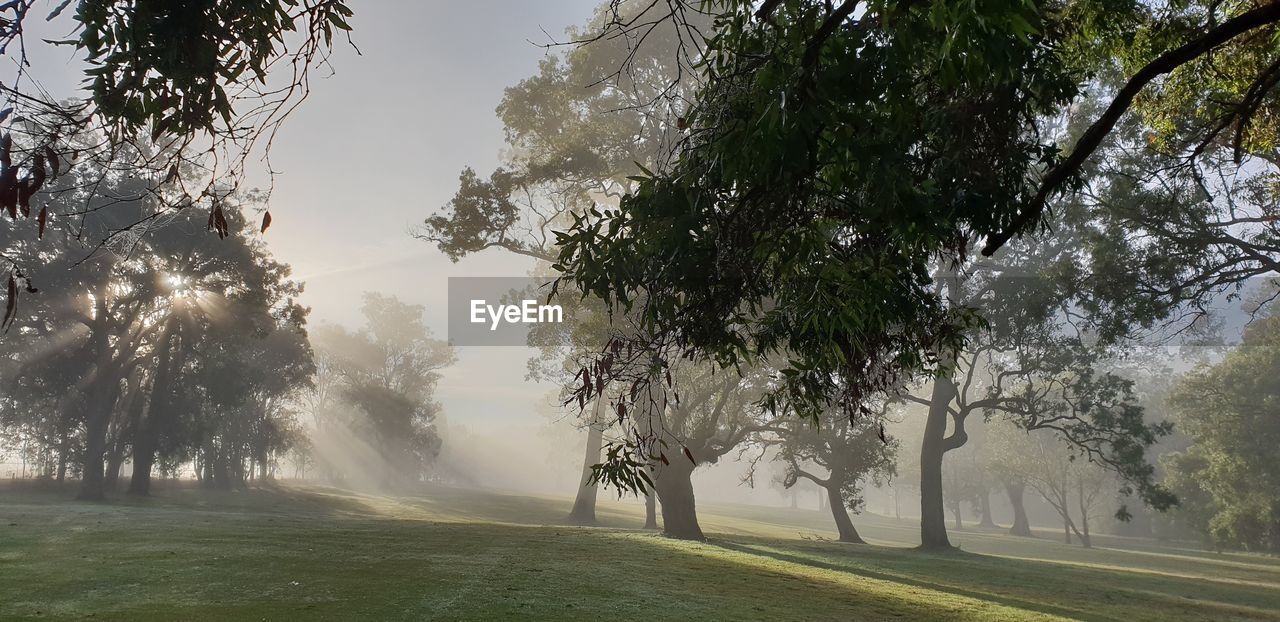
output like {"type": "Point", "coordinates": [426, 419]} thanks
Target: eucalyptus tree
{"type": "Point", "coordinates": [576, 131]}
{"type": "Point", "coordinates": [222, 298]}
{"type": "Point", "coordinates": [840, 455]}
{"type": "Point", "coordinates": [838, 152]}
{"type": "Point", "coordinates": [386, 375]}
{"type": "Point", "coordinates": [703, 415]}
{"type": "Point", "coordinates": [91, 328]}
{"type": "Point", "coordinates": [1074, 487]}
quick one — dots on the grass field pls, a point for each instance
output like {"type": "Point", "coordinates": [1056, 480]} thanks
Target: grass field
{"type": "Point", "coordinates": [300, 552]}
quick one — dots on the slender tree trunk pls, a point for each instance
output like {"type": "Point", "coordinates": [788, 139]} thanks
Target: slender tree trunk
{"type": "Point", "coordinates": [650, 510]}
{"type": "Point", "coordinates": [1066, 530]}
{"type": "Point", "coordinates": [674, 485]}
{"type": "Point", "coordinates": [1021, 526]}
{"type": "Point", "coordinates": [822, 499]}
{"type": "Point", "coordinates": [64, 456]}
{"type": "Point", "coordinates": [955, 512]}
{"type": "Point", "coordinates": [795, 499]}
{"type": "Point", "coordinates": [121, 426]}
{"type": "Point", "coordinates": [98, 401]}
{"type": "Point", "coordinates": [933, 517]}
{"type": "Point", "coordinates": [1085, 540]}
{"type": "Point", "coordinates": [984, 506]}
{"type": "Point", "coordinates": [206, 466]}
{"type": "Point", "coordinates": [584, 505]}
{"type": "Point", "coordinates": [844, 525]}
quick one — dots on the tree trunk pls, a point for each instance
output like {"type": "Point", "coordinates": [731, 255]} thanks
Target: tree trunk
{"type": "Point", "coordinates": [144, 458]}
{"type": "Point", "coordinates": [115, 460]}
{"type": "Point", "coordinates": [650, 510]}
{"type": "Point", "coordinates": [98, 401]}
{"type": "Point", "coordinates": [674, 485]}
{"type": "Point", "coordinates": [584, 505]}
{"type": "Point", "coordinates": [795, 499]}
{"type": "Point", "coordinates": [822, 499]}
{"type": "Point", "coordinates": [144, 441]}
{"type": "Point", "coordinates": [1085, 541]}
{"type": "Point", "coordinates": [984, 506]}
{"type": "Point", "coordinates": [955, 512]}
{"type": "Point", "coordinates": [933, 517]}
{"type": "Point", "coordinates": [1021, 526]}
{"type": "Point", "coordinates": [844, 525]}
{"type": "Point", "coordinates": [64, 456]}
{"type": "Point", "coordinates": [101, 401]}
{"type": "Point", "coordinates": [206, 466]}
{"type": "Point", "coordinates": [93, 476]}
{"type": "Point", "coordinates": [1066, 530]}
{"type": "Point", "coordinates": [221, 471]}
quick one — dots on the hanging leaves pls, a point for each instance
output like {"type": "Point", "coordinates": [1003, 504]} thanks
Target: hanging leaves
{"type": "Point", "coordinates": [266, 221]}
{"type": "Point", "coordinates": [218, 221]}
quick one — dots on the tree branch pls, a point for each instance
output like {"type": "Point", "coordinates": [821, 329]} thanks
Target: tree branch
{"type": "Point", "coordinates": [1093, 137]}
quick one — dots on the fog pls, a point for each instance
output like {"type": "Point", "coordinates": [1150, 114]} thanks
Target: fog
{"type": "Point", "coordinates": [924, 311]}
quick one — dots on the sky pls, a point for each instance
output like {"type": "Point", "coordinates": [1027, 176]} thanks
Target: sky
{"type": "Point", "coordinates": [378, 147]}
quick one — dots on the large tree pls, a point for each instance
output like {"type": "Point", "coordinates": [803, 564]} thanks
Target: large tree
{"type": "Point", "coordinates": [1228, 475]}
{"type": "Point", "coordinates": [575, 131]}
{"type": "Point", "coordinates": [838, 153]}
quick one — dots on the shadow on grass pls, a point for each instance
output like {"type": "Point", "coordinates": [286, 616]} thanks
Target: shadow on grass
{"type": "Point", "coordinates": [1046, 587]}
{"type": "Point", "coordinates": [985, 595]}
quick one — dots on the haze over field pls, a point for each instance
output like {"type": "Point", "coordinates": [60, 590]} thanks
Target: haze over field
{"type": "Point", "coordinates": [861, 310]}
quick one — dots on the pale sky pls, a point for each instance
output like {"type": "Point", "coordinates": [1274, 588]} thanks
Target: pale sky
{"type": "Point", "coordinates": [379, 146]}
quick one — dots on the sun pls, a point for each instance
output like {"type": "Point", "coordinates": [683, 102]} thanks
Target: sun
{"type": "Point", "coordinates": [177, 282]}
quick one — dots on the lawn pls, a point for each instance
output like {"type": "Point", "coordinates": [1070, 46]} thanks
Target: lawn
{"type": "Point", "coordinates": [306, 552]}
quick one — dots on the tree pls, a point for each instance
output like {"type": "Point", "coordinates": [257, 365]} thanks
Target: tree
{"type": "Point", "coordinates": [574, 131]}
{"type": "Point", "coordinates": [1071, 484]}
{"type": "Point", "coordinates": [846, 453]}
{"type": "Point", "coordinates": [1227, 475]}
{"type": "Point", "coordinates": [821, 252]}
{"type": "Point", "coordinates": [220, 298]}
{"type": "Point", "coordinates": [388, 372]}
{"type": "Point", "coordinates": [135, 327]}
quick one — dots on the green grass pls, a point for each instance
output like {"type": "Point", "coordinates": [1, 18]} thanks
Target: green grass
{"type": "Point", "coordinates": [319, 553]}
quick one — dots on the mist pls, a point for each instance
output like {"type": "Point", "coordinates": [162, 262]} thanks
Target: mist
{"type": "Point", "coordinates": [787, 310]}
